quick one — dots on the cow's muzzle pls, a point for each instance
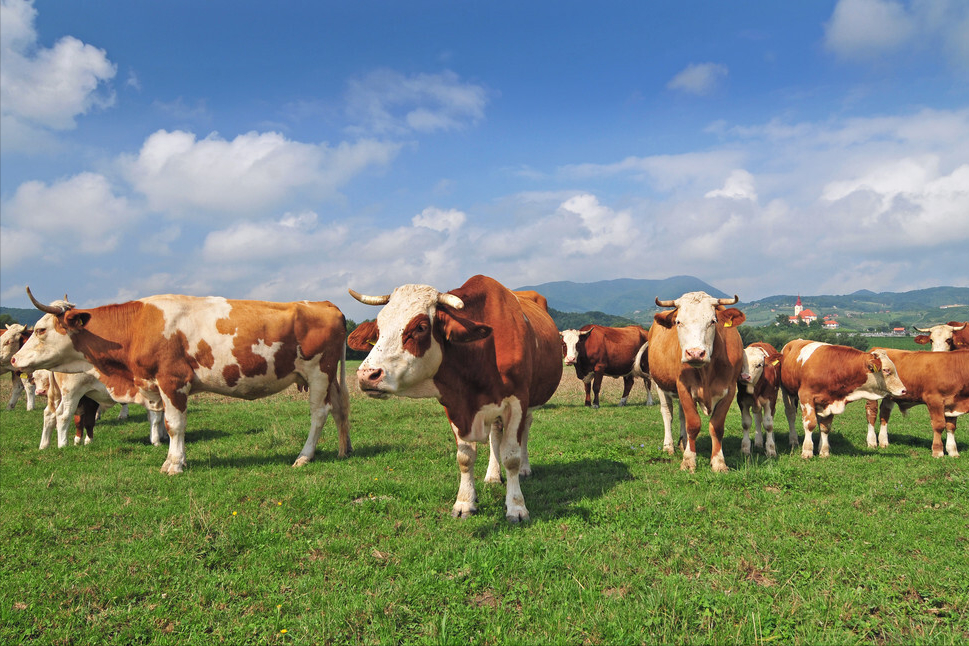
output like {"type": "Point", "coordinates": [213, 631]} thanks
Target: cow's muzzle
{"type": "Point", "coordinates": [371, 382]}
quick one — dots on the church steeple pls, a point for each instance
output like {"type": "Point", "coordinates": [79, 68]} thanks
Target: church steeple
{"type": "Point", "coordinates": [797, 306]}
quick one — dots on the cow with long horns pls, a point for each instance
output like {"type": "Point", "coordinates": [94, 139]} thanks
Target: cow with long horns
{"type": "Point", "coordinates": [945, 336]}
{"type": "Point", "coordinates": [695, 355]}
{"type": "Point", "coordinates": [163, 348]}
{"type": "Point", "coordinates": [489, 355]}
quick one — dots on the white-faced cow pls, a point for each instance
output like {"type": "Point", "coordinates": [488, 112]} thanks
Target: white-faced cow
{"type": "Point", "coordinates": [757, 392]}
{"type": "Point", "coordinates": [489, 355]}
{"type": "Point", "coordinates": [945, 336]}
{"type": "Point", "coordinates": [598, 350]}
{"type": "Point", "coordinates": [940, 380]}
{"type": "Point", "coordinates": [696, 355]}
{"type": "Point", "coordinates": [823, 378]}
{"type": "Point", "coordinates": [10, 342]}
{"type": "Point", "coordinates": [167, 347]}
{"type": "Point", "coordinates": [68, 393]}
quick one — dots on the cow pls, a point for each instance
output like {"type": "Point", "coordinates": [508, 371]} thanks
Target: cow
{"type": "Point", "coordinates": [10, 341]}
{"type": "Point", "coordinates": [68, 392]}
{"type": "Point", "coordinates": [597, 350]}
{"type": "Point", "coordinates": [695, 355]}
{"type": "Point", "coordinates": [490, 356]}
{"type": "Point", "coordinates": [945, 336]}
{"type": "Point", "coordinates": [164, 348]}
{"type": "Point", "coordinates": [940, 380]}
{"type": "Point", "coordinates": [823, 378]}
{"type": "Point", "coordinates": [757, 392]}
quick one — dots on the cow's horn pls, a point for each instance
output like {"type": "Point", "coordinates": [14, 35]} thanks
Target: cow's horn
{"type": "Point", "coordinates": [918, 329]}
{"type": "Point", "coordinates": [450, 300]}
{"type": "Point", "coordinates": [728, 301]}
{"type": "Point", "coordinates": [44, 308]}
{"type": "Point", "coordinates": [370, 300]}
{"type": "Point", "coordinates": [956, 329]}
{"type": "Point", "coordinates": [665, 303]}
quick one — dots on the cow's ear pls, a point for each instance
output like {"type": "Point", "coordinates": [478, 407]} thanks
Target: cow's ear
{"type": "Point", "coordinates": [364, 336]}
{"type": "Point", "coordinates": [666, 319]}
{"type": "Point", "coordinates": [922, 339]}
{"type": "Point", "coordinates": [75, 320]}
{"type": "Point", "coordinates": [874, 363]}
{"type": "Point", "coordinates": [458, 329]}
{"type": "Point", "coordinates": [731, 317]}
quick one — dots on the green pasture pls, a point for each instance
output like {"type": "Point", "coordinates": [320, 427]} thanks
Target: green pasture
{"type": "Point", "coordinates": [97, 547]}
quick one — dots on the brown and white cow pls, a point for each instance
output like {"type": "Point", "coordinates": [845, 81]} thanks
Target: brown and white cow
{"type": "Point", "coordinates": [599, 350]}
{"type": "Point", "coordinates": [69, 392]}
{"type": "Point", "coordinates": [489, 355]}
{"type": "Point", "coordinates": [696, 355]}
{"type": "Point", "coordinates": [11, 341]}
{"type": "Point", "coordinates": [823, 378]}
{"type": "Point", "coordinates": [757, 392]}
{"type": "Point", "coordinates": [166, 347]}
{"type": "Point", "coordinates": [945, 336]}
{"type": "Point", "coordinates": [940, 380]}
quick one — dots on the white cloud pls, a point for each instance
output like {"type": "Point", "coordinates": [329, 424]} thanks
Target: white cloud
{"type": "Point", "coordinates": [387, 102]}
{"type": "Point", "coordinates": [295, 236]}
{"type": "Point", "coordinates": [664, 172]}
{"type": "Point", "coordinates": [46, 88]}
{"type": "Point", "coordinates": [439, 220]}
{"type": "Point", "coordinates": [603, 227]}
{"type": "Point", "coordinates": [868, 30]}
{"type": "Point", "coordinates": [81, 214]}
{"type": "Point", "coordinates": [739, 186]}
{"type": "Point", "coordinates": [699, 78]}
{"type": "Point", "coordinates": [249, 175]}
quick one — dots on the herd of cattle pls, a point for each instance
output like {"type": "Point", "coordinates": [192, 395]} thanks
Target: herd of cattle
{"type": "Point", "coordinates": [489, 355]}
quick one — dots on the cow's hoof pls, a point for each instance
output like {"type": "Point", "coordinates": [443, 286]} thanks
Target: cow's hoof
{"type": "Point", "coordinates": [807, 455]}
{"type": "Point", "coordinates": [301, 461]}
{"type": "Point", "coordinates": [525, 472]}
{"type": "Point", "coordinates": [77, 441]}
{"type": "Point", "coordinates": [463, 511]}
{"type": "Point", "coordinates": [824, 453]}
{"type": "Point", "coordinates": [171, 468]}
{"type": "Point", "coordinates": [771, 452]}
{"type": "Point", "coordinates": [595, 406]}
{"type": "Point", "coordinates": [718, 465]}
{"type": "Point", "coordinates": [669, 449]}
{"type": "Point", "coordinates": [514, 518]}
{"type": "Point", "coordinates": [688, 464]}
{"type": "Point", "coordinates": [492, 479]}
{"type": "Point", "coordinates": [87, 441]}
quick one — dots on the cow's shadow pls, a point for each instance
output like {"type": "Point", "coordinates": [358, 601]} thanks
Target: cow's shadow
{"type": "Point", "coordinates": [286, 456]}
{"type": "Point", "coordinates": [558, 490]}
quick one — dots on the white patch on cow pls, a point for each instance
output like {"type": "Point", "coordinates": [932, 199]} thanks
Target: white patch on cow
{"type": "Point", "coordinates": [47, 348]}
{"type": "Point", "coordinates": [696, 326]}
{"type": "Point", "coordinates": [571, 340]}
{"type": "Point", "coordinates": [808, 350]}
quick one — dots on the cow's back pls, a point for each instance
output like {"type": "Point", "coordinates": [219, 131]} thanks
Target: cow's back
{"type": "Point", "coordinates": [791, 365]}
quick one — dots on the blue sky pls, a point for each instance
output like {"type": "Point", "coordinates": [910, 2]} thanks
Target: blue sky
{"type": "Point", "coordinates": [290, 150]}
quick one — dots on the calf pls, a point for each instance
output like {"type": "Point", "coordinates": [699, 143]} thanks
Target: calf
{"type": "Point", "coordinates": [695, 355]}
{"type": "Point", "coordinates": [940, 380]}
{"type": "Point", "coordinates": [489, 355]}
{"type": "Point", "coordinates": [597, 350]}
{"type": "Point", "coordinates": [823, 378]}
{"type": "Point", "coordinates": [11, 341]}
{"type": "Point", "coordinates": [757, 391]}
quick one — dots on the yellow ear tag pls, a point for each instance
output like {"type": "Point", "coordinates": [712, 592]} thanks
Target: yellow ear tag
{"type": "Point", "coordinates": [372, 342]}
{"type": "Point", "coordinates": [728, 324]}
{"type": "Point", "coordinates": [775, 362]}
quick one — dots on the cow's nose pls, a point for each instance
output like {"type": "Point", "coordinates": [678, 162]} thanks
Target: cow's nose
{"type": "Point", "coordinates": [745, 377]}
{"type": "Point", "coordinates": [13, 361]}
{"type": "Point", "coordinates": [696, 354]}
{"type": "Point", "coordinates": [369, 377]}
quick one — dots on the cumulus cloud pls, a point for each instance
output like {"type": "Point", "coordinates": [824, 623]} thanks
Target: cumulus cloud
{"type": "Point", "coordinates": [43, 89]}
{"type": "Point", "coordinates": [867, 30]}
{"type": "Point", "coordinates": [739, 186]}
{"type": "Point", "coordinates": [602, 226]}
{"type": "Point", "coordinates": [439, 220]}
{"type": "Point", "coordinates": [249, 175]}
{"type": "Point", "coordinates": [293, 236]}
{"type": "Point", "coordinates": [664, 172]}
{"type": "Point", "coordinates": [81, 213]}
{"type": "Point", "coordinates": [387, 102]}
{"type": "Point", "coordinates": [699, 78]}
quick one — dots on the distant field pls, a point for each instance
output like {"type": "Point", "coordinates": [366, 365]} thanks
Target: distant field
{"type": "Point", "coordinates": [898, 342]}
{"type": "Point", "coordinates": [867, 546]}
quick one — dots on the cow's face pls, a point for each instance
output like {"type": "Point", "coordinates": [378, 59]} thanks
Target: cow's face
{"type": "Point", "coordinates": [884, 374]}
{"type": "Point", "coordinates": [42, 379]}
{"type": "Point", "coordinates": [940, 336]}
{"type": "Point", "coordinates": [695, 318]}
{"type": "Point", "coordinates": [753, 368]}
{"type": "Point", "coordinates": [10, 342]}
{"type": "Point", "coordinates": [408, 342]}
{"type": "Point", "coordinates": [570, 344]}
{"type": "Point", "coordinates": [50, 346]}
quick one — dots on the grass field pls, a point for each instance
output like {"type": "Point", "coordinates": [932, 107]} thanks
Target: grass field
{"type": "Point", "coordinates": [868, 546]}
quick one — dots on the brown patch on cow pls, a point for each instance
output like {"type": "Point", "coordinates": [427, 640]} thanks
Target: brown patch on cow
{"type": "Point", "coordinates": [416, 337]}
{"type": "Point", "coordinates": [231, 374]}
{"type": "Point", "coordinates": [203, 356]}
{"type": "Point", "coordinates": [364, 336]}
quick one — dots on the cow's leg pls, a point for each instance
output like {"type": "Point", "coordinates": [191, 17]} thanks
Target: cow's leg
{"type": "Point", "coordinates": [871, 414]}
{"type": "Point", "coordinates": [691, 419]}
{"type": "Point", "coordinates": [824, 422]}
{"type": "Point", "coordinates": [511, 458]}
{"type": "Point", "coordinates": [156, 419]}
{"type": "Point", "coordinates": [174, 396]}
{"type": "Point", "coordinates": [50, 421]}
{"type": "Point", "coordinates": [65, 415]}
{"type": "Point", "coordinates": [884, 414]}
{"type": "Point", "coordinates": [665, 401]}
{"type": "Point", "coordinates": [649, 391]}
{"type": "Point", "coordinates": [950, 442]}
{"type": "Point", "coordinates": [627, 386]}
{"type": "Point", "coordinates": [596, 386]}
{"type": "Point", "coordinates": [467, 453]}
{"type": "Point", "coordinates": [790, 411]}
{"type": "Point", "coordinates": [493, 475]}
{"type": "Point", "coordinates": [319, 411]}
{"type": "Point", "coordinates": [810, 421]}
{"type": "Point", "coordinates": [525, 469]}
{"type": "Point", "coordinates": [84, 420]}
{"type": "Point", "coordinates": [31, 392]}
{"type": "Point", "coordinates": [766, 418]}
{"type": "Point", "coordinates": [745, 420]}
{"type": "Point", "coordinates": [16, 389]}
{"type": "Point", "coordinates": [123, 413]}
{"type": "Point", "coordinates": [587, 382]}
{"type": "Point", "coordinates": [717, 421]}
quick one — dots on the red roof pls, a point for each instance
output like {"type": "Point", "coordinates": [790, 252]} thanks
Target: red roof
{"type": "Point", "coordinates": [806, 313]}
